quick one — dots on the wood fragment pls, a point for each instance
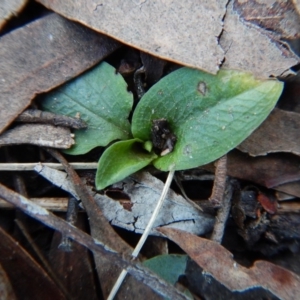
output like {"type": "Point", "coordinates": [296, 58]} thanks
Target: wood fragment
{"type": "Point", "coordinates": [39, 116]}
{"type": "Point", "coordinates": [220, 182]}
{"type": "Point", "coordinates": [39, 135]}
{"type": "Point", "coordinates": [222, 216]}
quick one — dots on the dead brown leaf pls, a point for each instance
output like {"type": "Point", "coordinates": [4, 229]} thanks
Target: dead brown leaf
{"type": "Point", "coordinates": [10, 8]}
{"type": "Point", "coordinates": [42, 55]}
{"type": "Point", "coordinates": [27, 277]}
{"type": "Point", "coordinates": [276, 16]}
{"type": "Point", "coordinates": [218, 262]}
{"type": "Point", "coordinates": [251, 48]}
{"type": "Point", "coordinates": [280, 132]}
{"type": "Point", "coordinates": [182, 32]}
{"type": "Point", "coordinates": [278, 170]}
{"type": "Point", "coordinates": [37, 134]}
{"type": "Point", "coordinates": [6, 291]}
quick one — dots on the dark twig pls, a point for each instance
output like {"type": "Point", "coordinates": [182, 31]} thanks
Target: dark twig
{"type": "Point", "coordinates": [222, 215]}
{"type": "Point", "coordinates": [216, 197]}
{"type": "Point", "coordinates": [45, 263]}
{"type": "Point", "coordinates": [49, 219]}
{"type": "Point", "coordinates": [72, 211]}
{"type": "Point", "coordinates": [39, 116]}
{"type": "Point", "coordinates": [138, 82]}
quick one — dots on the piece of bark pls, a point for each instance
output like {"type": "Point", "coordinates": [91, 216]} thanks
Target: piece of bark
{"type": "Point", "coordinates": [36, 284]}
{"type": "Point", "coordinates": [40, 135]}
{"type": "Point", "coordinates": [251, 48]}
{"type": "Point", "coordinates": [41, 56]}
{"type": "Point", "coordinates": [186, 33]}
{"type": "Point", "coordinates": [280, 132]}
{"type": "Point", "coordinates": [39, 116]}
{"type": "Point", "coordinates": [10, 8]}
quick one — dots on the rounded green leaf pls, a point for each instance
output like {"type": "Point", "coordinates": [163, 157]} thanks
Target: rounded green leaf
{"type": "Point", "coordinates": [121, 160]}
{"type": "Point", "coordinates": [101, 98]}
{"type": "Point", "coordinates": [209, 114]}
{"type": "Point", "coordinates": [168, 266]}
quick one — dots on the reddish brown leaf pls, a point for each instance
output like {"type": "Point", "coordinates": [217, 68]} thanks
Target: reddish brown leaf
{"type": "Point", "coordinates": [41, 56]}
{"type": "Point", "coordinates": [269, 205]}
{"type": "Point", "coordinates": [280, 132]}
{"type": "Point", "coordinates": [218, 261]}
{"type": "Point", "coordinates": [26, 276]}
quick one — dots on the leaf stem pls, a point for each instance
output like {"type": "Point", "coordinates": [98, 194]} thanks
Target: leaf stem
{"type": "Point", "coordinates": [143, 238]}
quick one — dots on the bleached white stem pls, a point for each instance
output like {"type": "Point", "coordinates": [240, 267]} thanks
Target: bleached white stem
{"type": "Point", "coordinates": [143, 238]}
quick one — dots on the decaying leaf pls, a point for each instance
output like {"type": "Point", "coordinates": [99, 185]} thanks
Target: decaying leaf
{"type": "Point", "coordinates": [143, 191]}
{"type": "Point", "coordinates": [10, 8]}
{"type": "Point", "coordinates": [182, 32]}
{"type": "Point", "coordinates": [57, 178]}
{"type": "Point", "coordinates": [280, 132]}
{"type": "Point", "coordinates": [251, 48]}
{"type": "Point", "coordinates": [36, 284]}
{"type": "Point", "coordinates": [6, 291]}
{"type": "Point", "coordinates": [276, 16]}
{"type": "Point", "coordinates": [218, 262]}
{"type": "Point", "coordinates": [41, 56]}
{"type": "Point", "coordinates": [36, 134]}
{"type": "Point", "coordinates": [277, 170]}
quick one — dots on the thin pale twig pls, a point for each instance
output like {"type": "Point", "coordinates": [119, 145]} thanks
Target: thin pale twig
{"type": "Point", "coordinates": [143, 238]}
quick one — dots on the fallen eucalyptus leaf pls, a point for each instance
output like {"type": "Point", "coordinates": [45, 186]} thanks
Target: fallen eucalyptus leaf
{"type": "Point", "coordinates": [249, 47]}
{"type": "Point", "coordinates": [143, 191]}
{"type": "Point", "coordinates": [182, 32]}
{"type": "Point", "coordinates": [101, 98]}
{"type": "Point", "coordinates": [218, 262]}
{"type": "Point", "coordinates": [41, 56]}
{"type": "Point", "coordinates": [10, 8]}
{"type": "Point", "coordinates": [37, 134]}
{"type": "Point", "coordinates": [280, 132]}
{"type": "Point", "coordinates": [209, 114]}
{"type": "Point", "coordinates": [121, 160]}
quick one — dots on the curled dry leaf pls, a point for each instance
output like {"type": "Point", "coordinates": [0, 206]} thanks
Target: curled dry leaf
{"type": "Point", "coordinates": [182, 32]}
{"type": "Point", "coordinates": [42, 55]}
{"type": "Point", "coordinates": [10, 8]}
{"type": "Point", "coordinates": [218, 262]}
{"type": "Point", "coordinates": [280, 132]}
{"type": "Point", "coordinates": [36, 134]}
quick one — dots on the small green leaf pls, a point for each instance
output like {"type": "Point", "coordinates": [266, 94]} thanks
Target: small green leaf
{"type": "Point", "coordinates": [121, 160]}
{"type": "Point", "coordinates": [100, 97]}
{"type": "Point", "coordinates": [169, 267]}
{"type": "Point", "coordinates": [209, 114]}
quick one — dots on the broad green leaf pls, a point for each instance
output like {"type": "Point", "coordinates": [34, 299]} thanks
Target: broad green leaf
{"type": "Point", "coordinates": [209, 114]}
{"type": "Point", "coordinates": [121, 160]}
{"type": "Point", "coordinates": [100, 97]}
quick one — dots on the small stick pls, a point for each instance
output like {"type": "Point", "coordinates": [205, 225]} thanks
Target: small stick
{"type": "Point", "coordinates": [139, 87]}
{"type": "Point", "coordinates": [72, 212]}
{"type": "Point", "coordinates": [45, 263]}
{"type": "Point", "coordinates": [217, 194]}
{"type": "Point", "coordinates": [39, 116]}
{"type": "Point", "coordinates": [143, 238]}
{"type": "Point", "coordinates": [222, 215]}
{"type": "Point", "coordinates": [58, 166]}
